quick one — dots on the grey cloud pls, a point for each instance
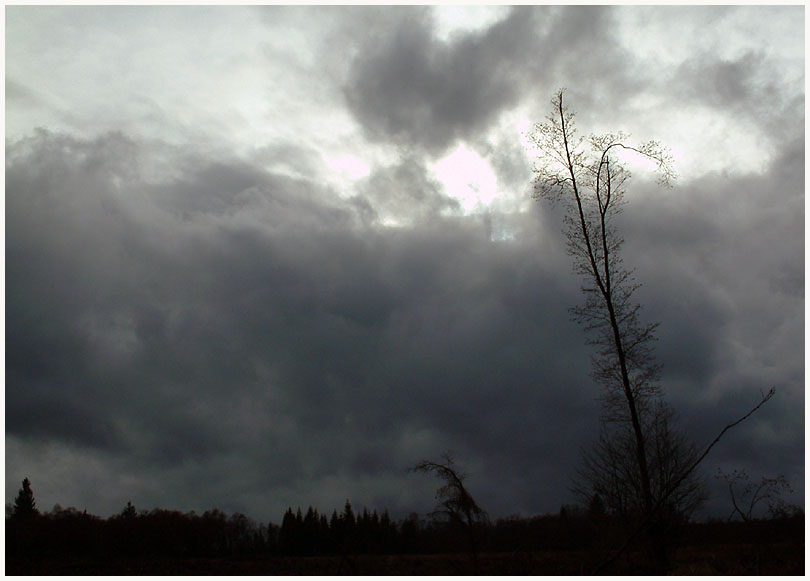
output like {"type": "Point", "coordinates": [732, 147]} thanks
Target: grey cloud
{"type": "Point", "coordinates": [404, 190]}
{"type": "Point", "coordinates": [233, 331]}
{"type": "Point", "coordinates": [16, 91]}
{"type": "Point", "coordinates": [223, 318]}
{"type": "Point", "coordinates": [728, 290]}
{"type": "Point", "coordinates": [726, 83]}
{"type": "Point", "coordinates": [60, 419]}
{"type": "Point", "coordinates": [747, 89]}
{"type": "Point", "coordinates": [580, 50]}
{"type": "Point", "coordinates": [275, 325]}
{"type": "Point", "coordinates": [414, 90]}
{"type": "Point", "coordinates": [410, 89]}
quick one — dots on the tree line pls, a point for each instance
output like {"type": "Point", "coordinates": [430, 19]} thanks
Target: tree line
{"type": "Point", "coordinates": [71, 535]}
{"type": "Point", "coordinates": [162, 533]}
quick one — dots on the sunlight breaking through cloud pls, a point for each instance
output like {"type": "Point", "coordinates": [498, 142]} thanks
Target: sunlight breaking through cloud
{"type": "Point", "coordinates": [468, 178]}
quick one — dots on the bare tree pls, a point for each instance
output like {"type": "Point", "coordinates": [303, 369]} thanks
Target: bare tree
{"type": "Point", "coordinates": [641, 464]}
{"type": "Point", "coordinates": [455, 502]}
{"type": "Point", "coordinates": [746, 495]}
{"type": "Point", "coordinates": [609, 469]}
{"type": "Point", "coordinates": [588, 178]}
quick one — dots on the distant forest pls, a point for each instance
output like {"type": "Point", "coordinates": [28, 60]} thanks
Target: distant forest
{"type": "Point", "coordinates": [68, 541]}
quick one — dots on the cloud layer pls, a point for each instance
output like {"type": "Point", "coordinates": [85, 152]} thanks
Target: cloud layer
{"type": "Point", "coordinates": [194, 324]}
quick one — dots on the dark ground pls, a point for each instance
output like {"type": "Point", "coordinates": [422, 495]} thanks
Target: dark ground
{"type": "Point", "coordinates": [170, 543]}
{"type": "Point", "coordinates": [737, 559]}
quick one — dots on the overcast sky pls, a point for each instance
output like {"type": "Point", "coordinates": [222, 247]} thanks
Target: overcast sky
{"type": "Point", "coordinates": [260, 257]}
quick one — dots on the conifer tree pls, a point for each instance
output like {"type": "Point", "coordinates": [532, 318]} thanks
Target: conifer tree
{"type": "Point", "coordinates": [348, 514]}
{"type": "Point", "coordinates": [24, 505]}
{"type": "Point", "coordinates": [129, 511]}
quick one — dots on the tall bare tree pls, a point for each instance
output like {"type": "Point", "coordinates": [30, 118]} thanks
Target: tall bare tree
{"type": "Point", "coordinates": [588, 178]}
{"type": "Point", "coordinates": [642, 463]}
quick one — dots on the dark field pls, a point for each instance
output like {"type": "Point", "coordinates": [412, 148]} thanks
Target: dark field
{"type": "Point", "coordinates": [171, 543]}
{"type": "Point", "coordinates": [724, 559]}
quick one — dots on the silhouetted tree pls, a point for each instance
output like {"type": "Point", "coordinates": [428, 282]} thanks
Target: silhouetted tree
{"type": "Point", "coordinates": [129, 511]}
{"type": "Point", "coordinates": [746, 495]}
{"type": "Point", "coordinates": [348, 528]}
{"type": "Point", "coordinates": [387, 533]}
{"type": "Point", "coordinates": [455, 502]}
{"type": "Point", "coordinates": [590, 185]}
{"type": "Point", "coordinates": [348, 515]}
{"type": "Point", "coordinates": [409, 530]}
{"type": "Point", "coordinates": [323, 538]}
{"type": "Point", "coordinates": [213, 524]}
{"type": "Point", "coordinates": [596, 508]}
{"type": "Point", "coordinates": [24, 504]}
{"type": "Point", "coordinates": [272, 537]}
{"type": "Point", "coordinates": [239, 534]}
{"type": "Point", "coordinates": [607, 470]}
{"type": "Point", "coordinates": [587, 177]}
{"type": "Point", "coordinates": [289, 536]}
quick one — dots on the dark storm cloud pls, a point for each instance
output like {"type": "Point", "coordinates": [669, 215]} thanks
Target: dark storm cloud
{"type": "Point", "coordinates": [113, 287]}
{"type": "Point", "coordinates": [206, 330]}
{"type": "Point", "coordinates": [228, 312]}
{"type": "Point", "coordinates": [60, 419]}
{"type": "Point", "coordinates": [221, 316]}
{"type": "Point", "coordinates": [729, 293]}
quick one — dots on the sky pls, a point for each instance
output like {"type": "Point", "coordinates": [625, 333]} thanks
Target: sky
{"type": "Point", "coordinates": [260, 257]}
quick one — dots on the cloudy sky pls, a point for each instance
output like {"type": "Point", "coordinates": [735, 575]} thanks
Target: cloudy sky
{"type": "Point", "coordinates": [260, 257]}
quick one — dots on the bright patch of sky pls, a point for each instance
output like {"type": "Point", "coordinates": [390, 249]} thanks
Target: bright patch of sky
{"type": "Point", "coordinates": [455, 20]}
{"type": "Point", "coordinates": [347, 168]}
{"type": "Point", "coordinates": [703, 140]}
{"type": "Point", "coordinates": [468, 178]}
{"type": "Point", "coordinates": [723, 31]}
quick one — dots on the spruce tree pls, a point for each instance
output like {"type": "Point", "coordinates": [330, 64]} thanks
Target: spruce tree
{"type": "Point", "coordinates": [348, 515]}
{"type": "Point", "coordinates": [129, 511]}
{"type": "Point", "coordinates": [24, 505]}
